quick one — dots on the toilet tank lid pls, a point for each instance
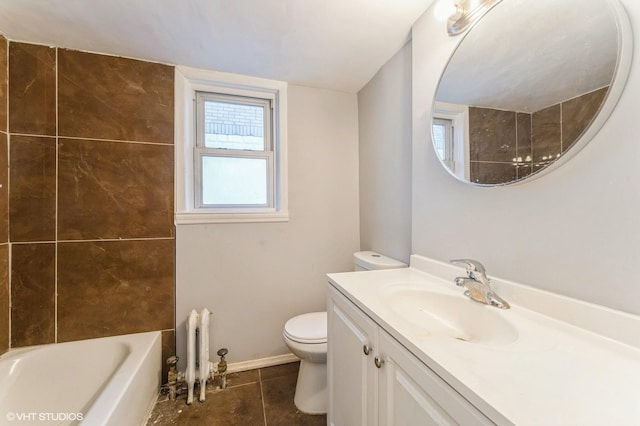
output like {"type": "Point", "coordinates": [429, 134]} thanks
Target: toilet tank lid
{"type": "Point", "coordinates": [371, 260]}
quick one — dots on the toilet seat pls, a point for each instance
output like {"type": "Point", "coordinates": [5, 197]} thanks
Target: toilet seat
{"type": "Point", "coordinates": [307, 328]}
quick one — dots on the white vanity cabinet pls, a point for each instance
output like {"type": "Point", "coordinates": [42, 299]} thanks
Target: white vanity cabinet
{"type": "Point", "coordinates": [353, 377]}
{"type": "Point", "coordinates": [374, 380]}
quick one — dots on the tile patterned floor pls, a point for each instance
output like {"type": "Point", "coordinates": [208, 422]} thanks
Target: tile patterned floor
{"type": "Point", "coordinates": [262, 397]}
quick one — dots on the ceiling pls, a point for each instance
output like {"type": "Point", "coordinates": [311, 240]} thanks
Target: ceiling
{"type": "Point", "coordinates": [334, 44]}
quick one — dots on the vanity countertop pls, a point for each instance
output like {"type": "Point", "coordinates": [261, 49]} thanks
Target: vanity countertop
{"type": "Point", "coordinates": [547, 360]}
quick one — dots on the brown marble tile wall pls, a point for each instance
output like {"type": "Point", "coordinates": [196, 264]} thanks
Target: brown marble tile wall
{"type": "Point", "coordinates": [130, 290]}
{"type": "Point", "coordinates": [32, 294]}
{"type": "Point", "coordinates": [524, 150]}
{"type": "Point", "coordinates": [128, 181]}
{"type": "Point", "coordinates": [492, 134]}
{"type": "Point", "coordinates": [4, 298]}
{"type": "Point", "coordinates": [32, 89]}
{"type": "Point", "coordinates": [523, 130]}
{"type": "Point", "coordinates": [107, 97]}
{"type": "Point", "coordinates": [32, 198]}
{"type": "Point", "coordinates": [4, 189]}
{"type": "Point", "coordinates": [496, 137]}
{"type": "Point", "coordinates": [4, 78]}
{"type": "Point", "coordinates": [90, 196]}
{"type": "Point", "coordinates": [555, 129]}
{"type": "Point", "coordinates": [492, 173]}
{"type": "Point", "coordinates": [546, 133]}
{"type": "Point", "coordinates": [4, 202]}
{"type": "Point", "coordinates": [542, 136]}
{"type": "Point", "coordinates": [168, 349]}
{"type": "Point", "coordinates": [577, 115]}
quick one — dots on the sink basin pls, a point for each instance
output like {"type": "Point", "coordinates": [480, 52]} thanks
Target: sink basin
{"type": "Point", "coordinates": [452, 316]}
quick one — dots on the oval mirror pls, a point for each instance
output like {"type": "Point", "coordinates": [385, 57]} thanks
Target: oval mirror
{"type": "Point", "coordinates": [527, 87]}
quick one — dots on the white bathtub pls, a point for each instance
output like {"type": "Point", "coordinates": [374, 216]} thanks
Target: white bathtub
{"type": "Point", "coordinates": [107, 381]}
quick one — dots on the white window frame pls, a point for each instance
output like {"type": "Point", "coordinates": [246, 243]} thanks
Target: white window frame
{"type": "Point", "coordinates": [448, 143]}
{"type": "Point", "coordinates": [459, 116]}
{"type": "Point", "coordinates": [267, 153]}
{"type": "Point", "coordinates": [189, 209]}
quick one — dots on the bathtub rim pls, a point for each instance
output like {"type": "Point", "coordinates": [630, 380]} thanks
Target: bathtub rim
{"type": "Point", "coordinates": [125, 395]}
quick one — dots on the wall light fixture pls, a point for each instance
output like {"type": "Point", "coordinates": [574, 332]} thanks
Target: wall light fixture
{"type": "Point", "coordinates": [466, 13]}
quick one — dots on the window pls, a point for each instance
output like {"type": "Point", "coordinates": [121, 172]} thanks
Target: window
{"type": "Point", "coordinates": [449, 130]}
{"type": "Point", "coordinates": [230, 148]}
{"type": "Point", "coordinates": [443, 140]}
{"type": "Point", "coordinates": [234, 152]}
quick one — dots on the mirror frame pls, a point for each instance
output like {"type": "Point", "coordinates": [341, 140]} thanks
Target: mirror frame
{"type": "Point", "coordinates": [616, 88]}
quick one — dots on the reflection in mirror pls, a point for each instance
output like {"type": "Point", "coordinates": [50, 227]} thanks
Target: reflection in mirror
{"type": "Point", "coordinates": [523, 86]}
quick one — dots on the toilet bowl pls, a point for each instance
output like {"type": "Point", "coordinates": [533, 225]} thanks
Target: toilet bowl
{"type": "Point", "coordinates": [306, 337]}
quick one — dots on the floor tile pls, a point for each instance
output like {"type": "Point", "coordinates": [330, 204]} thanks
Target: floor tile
{"type": "Point", "coordinates": [279, 408]}
{"type": "Point", "coordinates": [239, 405]}
{"type": "Point", "coordinates": [279, 370]}
{"type": "Point", "coordinates": [242, 378]}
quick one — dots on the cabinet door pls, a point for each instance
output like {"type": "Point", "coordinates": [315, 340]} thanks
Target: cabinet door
{"type": "Point", "coordinates": [352, 375]}
{"type": "Point", "coordinates": [411, 394]}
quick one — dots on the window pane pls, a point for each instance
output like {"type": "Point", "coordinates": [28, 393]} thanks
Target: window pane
{"type": "Point", "coordinates": [443, 138]}
{"type": "Point", "coordinates": [440, 139]}
{"type": "Point", "coordinates": [233, 126]}
{"type": "Point", "coordinates": [231, 180]}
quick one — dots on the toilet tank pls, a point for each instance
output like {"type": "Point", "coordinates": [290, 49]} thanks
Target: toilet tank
{"type": "Point", "coordinates": [370, 261]}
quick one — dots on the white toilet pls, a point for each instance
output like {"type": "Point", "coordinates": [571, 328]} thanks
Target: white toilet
{"type": "Point", "coordinates": [306, 337]}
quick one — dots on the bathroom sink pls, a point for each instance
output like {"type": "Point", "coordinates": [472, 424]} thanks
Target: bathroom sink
{"type": "Point", "coordinates": [451, 316]}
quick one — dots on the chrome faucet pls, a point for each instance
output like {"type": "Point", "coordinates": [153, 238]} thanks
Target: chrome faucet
{"type": "Point", "coordinates": [477, 284]}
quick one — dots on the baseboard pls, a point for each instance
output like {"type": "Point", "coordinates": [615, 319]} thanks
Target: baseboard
{"type": "Point", "coordinates": [252, 364]}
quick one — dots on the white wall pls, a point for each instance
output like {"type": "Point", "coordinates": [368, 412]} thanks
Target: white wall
{"type": "Point", "coordinates": [384, 122]}
{"type": "Point", "coordinates": [254, 277]}
{"type": "Point", "coordinates": [574, 231]}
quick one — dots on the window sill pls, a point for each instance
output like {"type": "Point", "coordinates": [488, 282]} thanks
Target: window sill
{"type": "Point", "coordinates": [191, 218]}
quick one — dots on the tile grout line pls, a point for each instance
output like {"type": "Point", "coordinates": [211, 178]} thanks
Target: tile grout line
{"type": "Point", "coordinates": [9, 249]}
{"type": "Point", "coordinates": [90, 139]}
{"type": "Point", "coordinates": [264, 408]}
{"type": "Point", "coordinates": [107, 240]}
{"type": "Point", "coordinates": [55, 259]}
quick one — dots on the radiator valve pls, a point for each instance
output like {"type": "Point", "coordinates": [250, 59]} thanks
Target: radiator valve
{"type": "Point", "coordinates": [172, 376]}
{"type": "Point", "coordinates": [222, 367]}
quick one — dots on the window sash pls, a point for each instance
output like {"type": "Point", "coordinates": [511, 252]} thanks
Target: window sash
{"type": "Point", "coordinates": [447, 144]}
{"type": "Point", "coordinates": [266, 104]}
{"type": "Point", "coordinates": [201, 151]}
